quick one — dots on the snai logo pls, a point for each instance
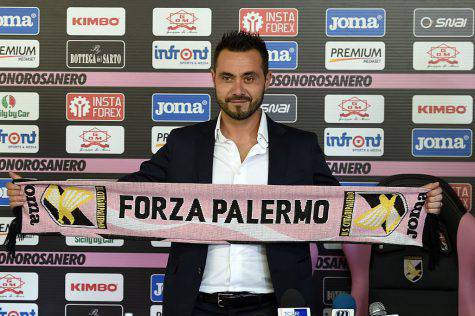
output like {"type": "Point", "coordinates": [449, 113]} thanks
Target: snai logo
{"type": "Point", "coordinates": [168, 107]}
{"type": "Point", "coordinates": [19, 21]}
{"type": "Point", "coordinates": [427, 142]}
{"type": "Point", "coordinates": [356, 22]}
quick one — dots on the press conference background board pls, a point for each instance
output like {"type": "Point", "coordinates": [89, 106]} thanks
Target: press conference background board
{"type": "Point", "coordinates": [398, 83]}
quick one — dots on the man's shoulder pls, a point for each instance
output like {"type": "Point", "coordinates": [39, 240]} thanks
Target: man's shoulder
{"type": "Point", "coordinates": [296, 133]}
{"type": "Point", "coordinates": [191, 131]}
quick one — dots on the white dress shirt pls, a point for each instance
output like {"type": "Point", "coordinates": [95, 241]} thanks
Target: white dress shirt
{"type": "Point", "coordinates": [238, 267]}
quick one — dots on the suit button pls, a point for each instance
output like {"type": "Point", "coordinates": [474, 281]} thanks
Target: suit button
{"type": "Point", "coordinates": [200, 271]}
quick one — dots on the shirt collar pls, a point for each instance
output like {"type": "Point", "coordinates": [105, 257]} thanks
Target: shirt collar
{"type": "Point", "coordinates": [262, 132]}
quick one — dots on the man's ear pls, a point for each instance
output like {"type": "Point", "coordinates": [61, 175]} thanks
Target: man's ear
{"type": "Point", "coordinates": [268, 79]}
{"type": "Point", "coordinates": [213, 75]}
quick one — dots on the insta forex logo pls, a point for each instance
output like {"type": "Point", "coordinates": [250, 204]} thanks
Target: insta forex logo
{"type": "Point", "coordinates": [96, 21]}
{"type": "Point", "coordinates": [95, 106]}
{"type": "Point", "coordinates": [269, 22]}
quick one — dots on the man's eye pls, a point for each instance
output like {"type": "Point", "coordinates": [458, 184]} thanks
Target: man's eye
{"type": "Point", "coordinates": [226, 78]}
{"type": "Point", "coordinates": [249, 79]}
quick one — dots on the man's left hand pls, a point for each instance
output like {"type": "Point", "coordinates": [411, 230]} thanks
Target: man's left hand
{"type": "Point", "coordinates": [434, 198]}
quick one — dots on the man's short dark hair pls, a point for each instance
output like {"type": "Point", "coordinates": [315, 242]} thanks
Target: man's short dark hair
{"type": "Point", "coordinates": [239, 41]}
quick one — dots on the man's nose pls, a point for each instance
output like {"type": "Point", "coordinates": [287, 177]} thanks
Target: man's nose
{"type": "Point", "coordinates": [238, 87]}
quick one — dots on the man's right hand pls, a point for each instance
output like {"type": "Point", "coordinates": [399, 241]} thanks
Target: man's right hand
{"type": "Point", "coordinates": [16, 196]}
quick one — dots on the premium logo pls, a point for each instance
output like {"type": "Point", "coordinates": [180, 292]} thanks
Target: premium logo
{"type": "Point", "coordinates": [464, 192]}
{"type": "Point", "coordinates": [413, 268]}
{"type": "Point", "coordinates": [181, 55]}
{"type": "Point", "coordinates": [354, 142]}
{"type": "Point", "coordinates": [95, 139]}
{"type": "Point", "coordinates": [19, 53]}
{"type": "Point", "coordinates": [269, 21]}
{"type": "Point", "coordinates": [354, 108]}
{"type": "Point", "coordinates": [19, 138]}
{"type": "Point", "coordinates": [95, 54]}
{"type": "Point", "coordinates": [182, 22]}
{"type": "Point", "coordinates": [95, 106]}
{"type": "Point", "coordinates": [282, 55]}
{"type": "Point", "coordinates": [156, 287]}
{"type": "Point", "coordinates": [440, 22]}
{"type": "Point", "coordinates": [168, 107]}
{"type": "Point", "coordinates": [355, 55]}
{"type": "Point", "coordinates": [19, 106]}
{"type": "Point", "coordinates": [160, 136]}
{"type": "Point", "coordinates": [93, 310]}
{"type": "Point", "coordinates": [356, 22]}
{"type": "Point", "coordinates": [93, 242]}
{"type": "Point", "coordinates": [443, 56]}
{"type": "Point", "coordinates": [280, 107]}
{"type": "Point", "coordinates": [442, 109]}
{"type": "Point", "coordinates": [95, 21]}
{"type": "Point", "coordinates": [94, 287]}
{"type": "Point", "coordinates": [19, 21]}
{"type": "Point", "coordinates": [18, 286]}
{"type": "Point", "coordinates": [428, 142]}
{"type": "Point", "coordinates": [64, 206]}
{"type": "Point", "coordinates": [20, 309]}
{"type": "Point", "coordinates": [382, 215]}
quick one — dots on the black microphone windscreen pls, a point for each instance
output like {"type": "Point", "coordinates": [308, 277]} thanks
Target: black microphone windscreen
{"type": "Point", "coordinates": [292, 298]}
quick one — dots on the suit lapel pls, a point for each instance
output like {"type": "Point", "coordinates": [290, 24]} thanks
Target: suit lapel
{"type": "Point", "coordinates": [277, 153]}
{"type": "Point", "coordinates": [204, 157]}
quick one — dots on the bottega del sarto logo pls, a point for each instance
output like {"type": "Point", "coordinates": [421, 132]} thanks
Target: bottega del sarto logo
{"type": "Point", "coordinates": [94, 287]}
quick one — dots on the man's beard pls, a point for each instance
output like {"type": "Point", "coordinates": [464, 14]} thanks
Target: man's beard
{"type": "Point", "coordinates": [240, 115]}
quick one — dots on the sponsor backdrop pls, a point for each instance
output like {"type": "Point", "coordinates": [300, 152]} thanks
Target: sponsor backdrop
{"type": "Point", "coordinates": [89, 92]}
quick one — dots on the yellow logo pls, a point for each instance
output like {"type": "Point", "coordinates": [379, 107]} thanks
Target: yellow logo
{"type": "Point", "coordinates": [382, 215]}
{"type": "Point", "coordinates": [413, 268]}
{"type": "Point", "coordinates": [64, 204]}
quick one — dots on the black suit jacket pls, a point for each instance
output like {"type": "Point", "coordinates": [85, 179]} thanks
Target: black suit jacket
{"type": "Point", "coordinates": [294, 159]}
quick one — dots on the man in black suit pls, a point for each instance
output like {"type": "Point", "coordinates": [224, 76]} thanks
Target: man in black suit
{"type": "Point", "coordinates": [244, 146]}
{"type": "Point", "coordinates": [241, 146]}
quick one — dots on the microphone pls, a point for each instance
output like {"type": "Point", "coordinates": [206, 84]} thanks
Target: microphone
{"type": "Point", "coordinates": [378, 309]}
{"type": "Point", "coordinates": [343, 305]}
{"type": "Point", "coordinates": [292, 304]}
